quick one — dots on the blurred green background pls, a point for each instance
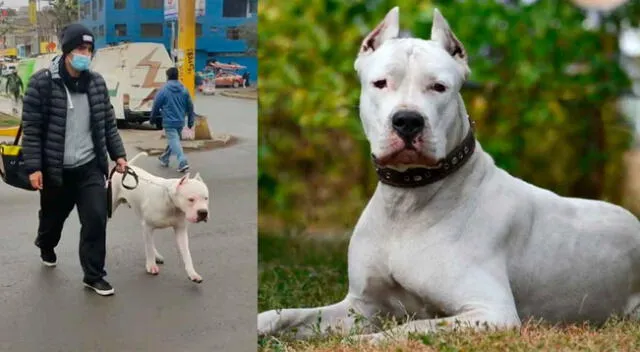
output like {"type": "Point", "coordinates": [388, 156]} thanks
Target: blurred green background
{"type": "Point", "coordinates": [544, 105]}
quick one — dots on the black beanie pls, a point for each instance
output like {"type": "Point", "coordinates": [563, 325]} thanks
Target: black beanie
{"type": "Point", "coordinates": [172, 74]}
{"type": "Point", "coordinates": [74, 35]}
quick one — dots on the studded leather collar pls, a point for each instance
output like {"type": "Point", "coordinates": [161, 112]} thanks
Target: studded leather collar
{"type": "Point", "coordinates": [418, 177]}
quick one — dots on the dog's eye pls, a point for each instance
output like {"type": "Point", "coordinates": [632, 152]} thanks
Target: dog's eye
{"type": "Point", "coordinates": [438, 87]}
{"type": "Point", "coordinates": [381, 83]}
{"type": "Point", "coordinates": [191, 199]}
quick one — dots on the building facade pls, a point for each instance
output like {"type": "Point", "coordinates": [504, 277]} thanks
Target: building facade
{"type": "Point", "coordinates": [217, 32]}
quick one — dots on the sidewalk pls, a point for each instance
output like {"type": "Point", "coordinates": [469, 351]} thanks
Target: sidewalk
{"type": "Point", "coordinates": [5, 106]}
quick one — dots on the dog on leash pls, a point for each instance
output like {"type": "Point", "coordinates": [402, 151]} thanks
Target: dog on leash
{"type": "Point", "coordinates": [162, 203]}
{"type": "Point", "coordinates": [448, 238]}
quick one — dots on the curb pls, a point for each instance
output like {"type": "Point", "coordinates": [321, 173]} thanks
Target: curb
{"type": "Point", "coordinates": [239, 96]}
{"type": "Point", "coordinates": [200, 145]}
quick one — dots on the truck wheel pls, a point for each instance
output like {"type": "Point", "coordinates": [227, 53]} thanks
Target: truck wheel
{"type": "Point", "coordinates": [236, 84]}
{"type": "Point", "coordinates": [122, 124]}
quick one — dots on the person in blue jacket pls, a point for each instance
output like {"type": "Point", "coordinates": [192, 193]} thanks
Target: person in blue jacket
{"type": "Point", "coordinates": [170, 106]}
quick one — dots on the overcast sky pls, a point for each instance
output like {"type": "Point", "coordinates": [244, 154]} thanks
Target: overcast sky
{"type": "Point", "coordinates": [19, 3]}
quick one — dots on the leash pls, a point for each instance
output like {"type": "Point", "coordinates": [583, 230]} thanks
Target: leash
{"type": "Point", "coordinates": [127, 172]}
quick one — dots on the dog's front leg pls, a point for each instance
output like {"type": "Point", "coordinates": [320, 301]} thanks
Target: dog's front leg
{"type": "Point", "coordinates": [182, 239]}
{"type": "Point", "coordinates": [149, 249]}
{"type": "Point", "coordinates": [477, 320]}
{"type": "Point", "coordinates": [340, 318]}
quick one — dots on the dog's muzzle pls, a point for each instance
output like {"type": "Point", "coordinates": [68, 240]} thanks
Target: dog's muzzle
{"type": "Point", "coordinates": [203, 215]}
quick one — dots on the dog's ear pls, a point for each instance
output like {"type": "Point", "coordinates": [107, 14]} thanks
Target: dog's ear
{"type": "Point", "coordinates": [198, 177]}
{"type": "Point", "coordinates": [441, 33]}
{"type": "Point", "coordinates": [183, 179]}
{"type": "Point", "coordinates": [387, 29]}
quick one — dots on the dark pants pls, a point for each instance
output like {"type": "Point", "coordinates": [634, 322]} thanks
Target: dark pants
{"type": "Point", "coordinates": [83, 187]}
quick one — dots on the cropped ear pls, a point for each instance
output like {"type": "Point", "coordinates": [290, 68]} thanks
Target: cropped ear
{"type": "Point", "coordinates": [183, 179]}
{"type": "Point", "coordinates": [441, 33]}
{"type": "Point", "coordinates": [387, 29]}
{"type": "Point", "coordinates": [198, 177]}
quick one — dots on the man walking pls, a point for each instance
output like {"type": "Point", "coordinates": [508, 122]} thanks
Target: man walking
{"type": "Point", "coordinates": [173, 102]}
{"type": "Point", "coordinates": [69, 130]}
{"type": "Point", "coordinates": [14, 88]}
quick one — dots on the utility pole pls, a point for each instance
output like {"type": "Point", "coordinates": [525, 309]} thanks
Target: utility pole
{"type": "Point", "coordinates": [187, 43]}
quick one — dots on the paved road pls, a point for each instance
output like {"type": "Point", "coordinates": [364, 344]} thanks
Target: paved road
{"type": "Point", "coordinates": [44, 309]}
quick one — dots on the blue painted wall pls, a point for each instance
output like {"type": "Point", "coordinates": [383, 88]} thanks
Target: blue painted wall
{"type": "Point", "coordinates": [211, 43]}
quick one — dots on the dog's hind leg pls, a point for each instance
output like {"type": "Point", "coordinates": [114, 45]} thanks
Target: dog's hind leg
{"type": "Point", "coordinates": [182, 239]}
{"type": "Point", "coordinates": [149, 250]}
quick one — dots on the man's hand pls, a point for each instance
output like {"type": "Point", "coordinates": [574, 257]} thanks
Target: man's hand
{"type": "Point", "coordinates": [36, 180]}
{"type": "Point", "coordinates": [121, 165]}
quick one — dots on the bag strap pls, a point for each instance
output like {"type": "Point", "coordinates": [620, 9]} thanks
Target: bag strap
{"type": "Point", "coordinates": [44, 101]}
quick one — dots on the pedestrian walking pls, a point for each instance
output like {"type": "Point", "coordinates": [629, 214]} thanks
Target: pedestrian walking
{"type": "Point", "coordinates": [69, 131]}
{"type": "Point", "coordinates": [170, 105]}
{"type": "Point", "coordinates": [14, 89]}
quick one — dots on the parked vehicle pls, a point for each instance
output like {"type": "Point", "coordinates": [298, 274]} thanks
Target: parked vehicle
{"type": "Point", "coordinates": [227, 74]}
{"type": "Point", "coordinates": [134, 72]}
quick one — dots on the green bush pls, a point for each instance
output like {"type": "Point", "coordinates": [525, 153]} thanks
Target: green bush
{"type": "Point", "coordinates": [557, 130]}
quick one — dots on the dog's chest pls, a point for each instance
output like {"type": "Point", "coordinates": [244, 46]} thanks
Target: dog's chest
{"type": "Point", "coordinates": [398, 275]}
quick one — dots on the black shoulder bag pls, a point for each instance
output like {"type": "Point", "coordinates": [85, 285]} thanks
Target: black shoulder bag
{"type": "Point", "coordinates": [12, 170]}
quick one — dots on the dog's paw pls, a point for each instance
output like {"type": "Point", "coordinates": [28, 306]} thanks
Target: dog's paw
{"type": "Point", "coordinates": [159, 260]}
{"type": "Point", "coordinates": [269, 323]}
{"type": "Point", "coordinates": [153, 269]}
{"type": "Point", "coordinates": [371, 339]}
{"type": "Point", "coordinates": [195, 278]}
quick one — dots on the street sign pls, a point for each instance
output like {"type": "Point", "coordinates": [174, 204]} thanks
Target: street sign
{"type": "Point", "coordinates": [171, 9]}
{"type": "Point", "coordinates": [33, 12]}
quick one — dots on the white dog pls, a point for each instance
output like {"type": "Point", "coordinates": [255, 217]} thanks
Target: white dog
{"type": "Point", "coordinates": [448, 238]}
{"type": "Point", "coordinates": [162, 203]}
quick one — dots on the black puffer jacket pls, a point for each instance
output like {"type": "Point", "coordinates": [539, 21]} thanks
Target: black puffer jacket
{"type": "Point", "coordinates": [46, 152]}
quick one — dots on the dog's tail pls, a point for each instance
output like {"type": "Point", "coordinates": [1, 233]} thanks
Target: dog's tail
{"type": "Point", "coordinates": [136, 157]}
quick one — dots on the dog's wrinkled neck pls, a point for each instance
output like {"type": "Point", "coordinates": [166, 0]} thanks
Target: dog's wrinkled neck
{"type": "Point", "coordinates": [446, 193]}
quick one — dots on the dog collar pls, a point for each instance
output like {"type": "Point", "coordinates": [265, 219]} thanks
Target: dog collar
{"type": "Point", "coordinates": [418, 177]}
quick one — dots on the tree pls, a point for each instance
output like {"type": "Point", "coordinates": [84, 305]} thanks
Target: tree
{"type": "Point", "coordinates": [6, 23]}
{"type": "Point", "coordinates": [65, 12]}
{"type": "Point", "coordinates": [249, 33]}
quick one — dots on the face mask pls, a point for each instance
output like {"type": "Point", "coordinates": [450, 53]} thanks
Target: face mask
{"type": "Point", "coordinates": [80, 62]}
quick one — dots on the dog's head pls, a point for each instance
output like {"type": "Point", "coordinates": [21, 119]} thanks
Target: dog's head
{"type": "Point", "coordinates": [191, 195]}
{"type": "Point", "coordinates": [410, 104]}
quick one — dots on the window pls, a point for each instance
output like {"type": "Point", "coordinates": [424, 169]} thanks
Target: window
{"type": "Point", "coordinates": [101, 31]}
{"type": "Point", "coordinates": [233, 33]}
{"type": "Point", "coordinates": [152, 4]}
{"type": "Point", "coordinates": [198, 29]}
{"type": "Point", "coordinates": [94, 10]}
{"type": "Point", "coordinates": [235, 8]}
{"type": "Point", "coordinates": [94, 30]}
{"type": "Point", "coordinates": [119, 4]}
{"type": "Point", "coordinates": [100, 5]}
{"type": "Point", "coordinates": [121, 30]}
{"type": "Point", "coordinates": [86, 10]}
{"type": "Point", "coordinates": [253, 6]}
{"type": "Point", "coordinates": [151, 30]}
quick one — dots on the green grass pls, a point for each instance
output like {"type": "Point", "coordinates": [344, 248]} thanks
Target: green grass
{"type": "Point", "coordinates": [7, 120]}
{"type": "Point", "coordinates": [296, 271]}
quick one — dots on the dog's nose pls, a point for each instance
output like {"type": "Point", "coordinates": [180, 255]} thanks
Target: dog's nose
{"type": "Point", "coordinates": [202, 214]}
{"type": "Point", "coordinates": [407, 123]}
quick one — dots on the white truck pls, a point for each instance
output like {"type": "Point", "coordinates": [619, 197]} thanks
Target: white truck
{"type": "Point", "coordinates": [134, 72]}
